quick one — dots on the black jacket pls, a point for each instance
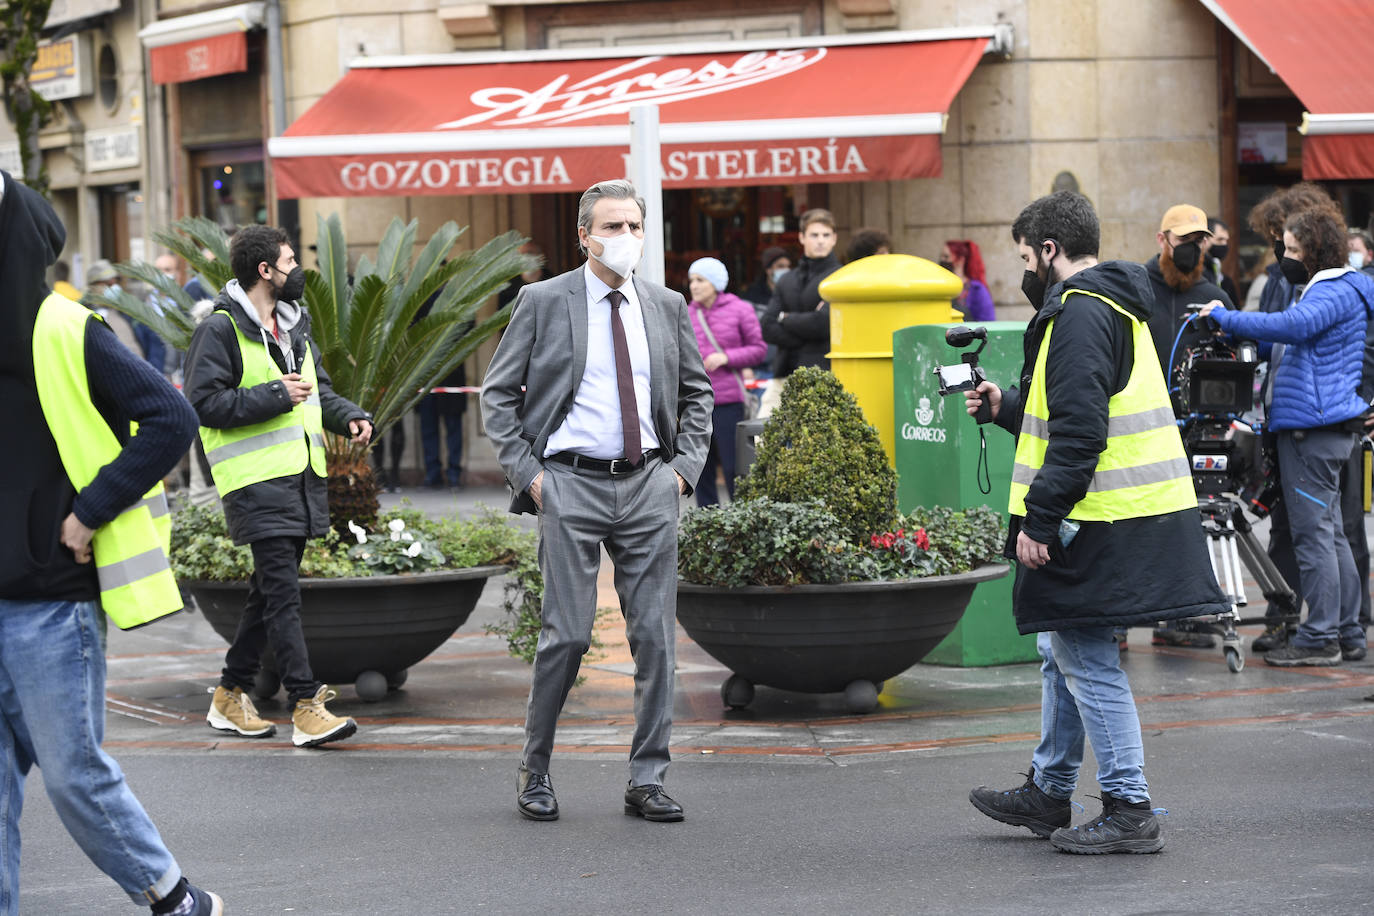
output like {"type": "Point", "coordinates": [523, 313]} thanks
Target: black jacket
{"type": "Point", "coordinates": [1169, 309]}
{"type": "Point", "coordinates": [35, 490]}
{"type": "Point", "coordinates": [803, 336]}
{"type": "Point", "coordinates": [1125, 573]}
{"type": "Point", "coordinates": [295, 506]}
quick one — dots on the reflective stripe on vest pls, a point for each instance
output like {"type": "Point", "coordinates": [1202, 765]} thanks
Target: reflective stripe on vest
{"type": "Point", "coordinates": [131, 551]}
{"type": "Point", "coordinates": [1143, 470]}
{"type": "Point", "coordinates": [279, 447]}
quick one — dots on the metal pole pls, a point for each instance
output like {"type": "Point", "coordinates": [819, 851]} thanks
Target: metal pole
{"type": "Point", "coordinates": [646, 171]}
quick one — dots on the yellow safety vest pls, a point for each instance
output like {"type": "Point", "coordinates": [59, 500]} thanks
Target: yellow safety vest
{"type": "Point", "coordinates": [1143, 471]}
{"type": "Point", "coordinates": [131, 551]}
{"type": "Point", "coordinates": [279, 447]}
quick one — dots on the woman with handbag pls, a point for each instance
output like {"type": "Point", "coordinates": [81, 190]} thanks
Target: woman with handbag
{"type": "Point", "coordinates": [730, 340]}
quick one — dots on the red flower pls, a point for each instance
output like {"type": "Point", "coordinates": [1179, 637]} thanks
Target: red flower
{"type": "Point", "coordinates": [922, 539]}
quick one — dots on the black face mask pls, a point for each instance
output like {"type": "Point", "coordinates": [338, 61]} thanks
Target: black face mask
{"type": "Point", "coordinates": [1034, 288]}
{"type": "Point", "coordinates": [1186, 255]}
{"type": "Point", "coordinates": [1294, 271]}
{"type": "Point", "coordinates": [1278, 250]}
{"type": "Point", "coordinates": [947, 265]}
{"type": "Point", "coordinates": [294, 285]}
{"type": "Point", "coordinates": [1219, 251]}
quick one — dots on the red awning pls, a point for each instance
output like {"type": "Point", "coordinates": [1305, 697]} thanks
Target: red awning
{"type": "Point", "coordinates": [1322, 50]}
{"type": "Point", "coordinates": [193, 60]}
{"type": "Point", "coordinates": [818, 110]}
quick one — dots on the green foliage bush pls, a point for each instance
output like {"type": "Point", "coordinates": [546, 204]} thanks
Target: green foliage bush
{"type": "Point", "coordinates": [817, 446]}
{"type": "Point", "coordinates": [764, 542]}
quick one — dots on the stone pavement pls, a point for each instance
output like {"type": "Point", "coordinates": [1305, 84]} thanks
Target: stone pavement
{"type": "Point", "coordinates": [792, 804]}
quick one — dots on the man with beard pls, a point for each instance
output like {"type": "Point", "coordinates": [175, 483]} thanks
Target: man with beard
{"type": "Point", "coordinates": [1104, 524]}
{"type": "Point", "coordinates": [797, 319]}
{"type": "Point", "coordinates": [1176, 282]}
{"type": "Point", "coordinates": [1178, 286]}
{"type": "Point", "coordinates": [264, 402]}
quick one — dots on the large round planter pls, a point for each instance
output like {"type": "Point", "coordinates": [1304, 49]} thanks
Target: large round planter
{"type": "Point", "coordinates": [825, 638]}
{"type": "Point", "coordinates": [361, 629]}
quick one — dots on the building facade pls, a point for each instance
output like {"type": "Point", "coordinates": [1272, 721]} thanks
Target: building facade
{"type": "Point", "coordinates": [1138, 104]}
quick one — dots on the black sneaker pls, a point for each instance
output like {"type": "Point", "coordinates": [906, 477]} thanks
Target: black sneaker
{"type": "Point", "coordinates": [1351, 652]}
{"type": "Point", "coordinates": [1274, 636]}
{"type": "Point", "coordinates": [1291, 655]}
{"type": "Point", "coordinates": [1121, 827]}
{"type": "Point", "coordinates": [1024, 807]}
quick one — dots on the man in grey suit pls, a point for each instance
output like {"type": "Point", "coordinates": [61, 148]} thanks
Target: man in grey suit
{"type": "Point", "coordinates": [613, 421]}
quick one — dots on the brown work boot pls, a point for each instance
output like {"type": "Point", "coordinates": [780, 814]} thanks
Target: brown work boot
{"type": "Point", "coordinates": [315, 725]}
{"type": "Point", "coordinates": [233, 711]}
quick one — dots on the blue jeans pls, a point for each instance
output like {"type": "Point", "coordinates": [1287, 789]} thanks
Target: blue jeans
{"type": "Point", "coordinates": [1085, 694]}
{"type": "Point", "coordinates": [52, 713]}
{"type": "Point", "coordinates": [1311, 463]}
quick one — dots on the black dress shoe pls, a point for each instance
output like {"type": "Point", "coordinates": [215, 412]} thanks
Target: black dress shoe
{"type": "Point", "coordinates": [534, 795]}
{"type": "Point", "coordinates": [652, 804]}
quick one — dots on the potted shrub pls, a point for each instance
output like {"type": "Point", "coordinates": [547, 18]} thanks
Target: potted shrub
{"type": "Point", "coordinates": [374, 601]}
{"type": "Point", "coordinates": [811, 581]}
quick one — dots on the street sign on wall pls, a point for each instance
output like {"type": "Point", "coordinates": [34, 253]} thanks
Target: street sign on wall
{"type": "Point", "coordinates": [114, 148]}
{"type": "Point", "coordinates": [62, 69]}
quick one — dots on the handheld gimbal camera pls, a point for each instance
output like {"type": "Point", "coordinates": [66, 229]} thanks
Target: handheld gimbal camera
{"type": "Point", "coordinates": [967, 374]}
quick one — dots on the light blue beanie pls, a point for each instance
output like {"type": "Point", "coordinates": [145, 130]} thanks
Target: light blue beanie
{"type": "Point", "coordinates": [713, 270]}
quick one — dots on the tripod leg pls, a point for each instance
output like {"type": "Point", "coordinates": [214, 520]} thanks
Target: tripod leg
{"type": "Point", "coordinates": [1267, 575]}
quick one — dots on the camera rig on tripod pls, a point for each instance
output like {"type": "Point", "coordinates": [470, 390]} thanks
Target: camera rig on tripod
{"type": "Point", "coordinates": [1213, 390]}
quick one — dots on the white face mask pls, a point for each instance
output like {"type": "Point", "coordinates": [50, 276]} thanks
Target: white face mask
{"type": "Point", "coordinates": [619, 252]}
{"type": "Point", "coordinates": [1355, 260]}
{"type": "Point", "coordinates": [779, 273]}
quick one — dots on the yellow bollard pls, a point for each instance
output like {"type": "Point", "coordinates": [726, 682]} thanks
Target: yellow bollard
{"type": "Point", "coordinates": [869, 300]}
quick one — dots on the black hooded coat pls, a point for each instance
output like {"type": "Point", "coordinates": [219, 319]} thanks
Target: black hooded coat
{"type": "Point", "coordinates": [34, 490]}
{"type": "Point", "coordinates": [1125, 573]}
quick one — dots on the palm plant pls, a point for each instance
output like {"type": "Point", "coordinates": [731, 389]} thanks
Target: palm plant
{"type": "Point", "coordinates": [204, 246]}
{"type": "Point", "coordinates": [381, 347]}
{"type": "Point", "coordinates": [381, 352]}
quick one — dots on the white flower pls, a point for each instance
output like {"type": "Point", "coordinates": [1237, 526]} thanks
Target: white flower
{"type": "Point", "coordinates": [396, 525]}
{"type": "Point", "coordinates": [414, 549]}
{"type": "Point", "coordinates": [407, 536]}
{"type": "Point", "coordinates": [358, 531]}
{"type": "Point", "coordinates": [395, 535]}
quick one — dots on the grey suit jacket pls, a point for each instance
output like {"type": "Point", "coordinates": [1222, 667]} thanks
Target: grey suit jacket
{"type": "Point", "coordinates": [545, 350]}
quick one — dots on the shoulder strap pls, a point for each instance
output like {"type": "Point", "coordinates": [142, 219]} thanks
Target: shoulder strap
{"type": "Point", "coordinates": [711, 338]}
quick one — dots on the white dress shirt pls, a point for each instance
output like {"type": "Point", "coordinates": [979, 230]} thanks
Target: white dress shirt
{"type": "Point", "coordinates": [592, 426]}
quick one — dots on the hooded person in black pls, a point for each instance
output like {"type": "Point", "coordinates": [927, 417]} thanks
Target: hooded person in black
{"type": "Point", "coordinates": [1078, 574]}
{"type": "Point", "coordinates": [51, 666]}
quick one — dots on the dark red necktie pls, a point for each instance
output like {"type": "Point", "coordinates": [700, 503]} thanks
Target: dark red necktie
{"type": "Point", "coordinates": [624, 379]}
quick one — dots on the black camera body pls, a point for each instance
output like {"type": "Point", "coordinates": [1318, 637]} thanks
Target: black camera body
{"type": "Point", "coordinates": [1214, 385]}
{"type": "Point", "coordinates": [965, 375]}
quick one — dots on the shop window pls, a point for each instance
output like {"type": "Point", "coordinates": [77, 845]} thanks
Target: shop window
{"type": "Point", "coordinates": [233, 194]}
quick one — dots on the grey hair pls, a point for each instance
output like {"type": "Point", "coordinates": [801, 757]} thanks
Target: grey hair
{"type": "Point", "coordinates": [613, 189]}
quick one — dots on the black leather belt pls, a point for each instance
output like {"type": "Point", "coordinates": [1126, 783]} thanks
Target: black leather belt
{"type": "Point", "coordinates": [614, 467]}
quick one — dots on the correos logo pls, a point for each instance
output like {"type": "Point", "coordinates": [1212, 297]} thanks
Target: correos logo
{"type": "Point", "coordinates": [923, 433]}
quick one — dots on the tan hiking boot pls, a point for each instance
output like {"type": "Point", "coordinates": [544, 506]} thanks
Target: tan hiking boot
{"type": "Point", "coordinates": [233, 711]}
{"type": "Point", "coordinates": [316, 725]}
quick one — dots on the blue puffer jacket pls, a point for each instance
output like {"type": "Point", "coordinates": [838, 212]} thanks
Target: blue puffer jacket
{"type": "Point", "coordinates": [1319, 375]}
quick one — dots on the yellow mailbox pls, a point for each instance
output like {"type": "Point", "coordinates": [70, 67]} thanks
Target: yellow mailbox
{"type": "Point", "coordinates": [870, 299]}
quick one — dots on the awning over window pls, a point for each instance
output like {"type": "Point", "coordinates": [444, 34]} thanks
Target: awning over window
{"type": "Point", "coordinates": [1322, 49]}
{"type": "Point", "coordinates": [202, 44]}
{"type": "Point", "coordinates": [816, 110]}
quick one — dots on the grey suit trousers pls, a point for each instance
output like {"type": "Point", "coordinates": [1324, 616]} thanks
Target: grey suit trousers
{"type": "Point", "coordinates": [635, 516]}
